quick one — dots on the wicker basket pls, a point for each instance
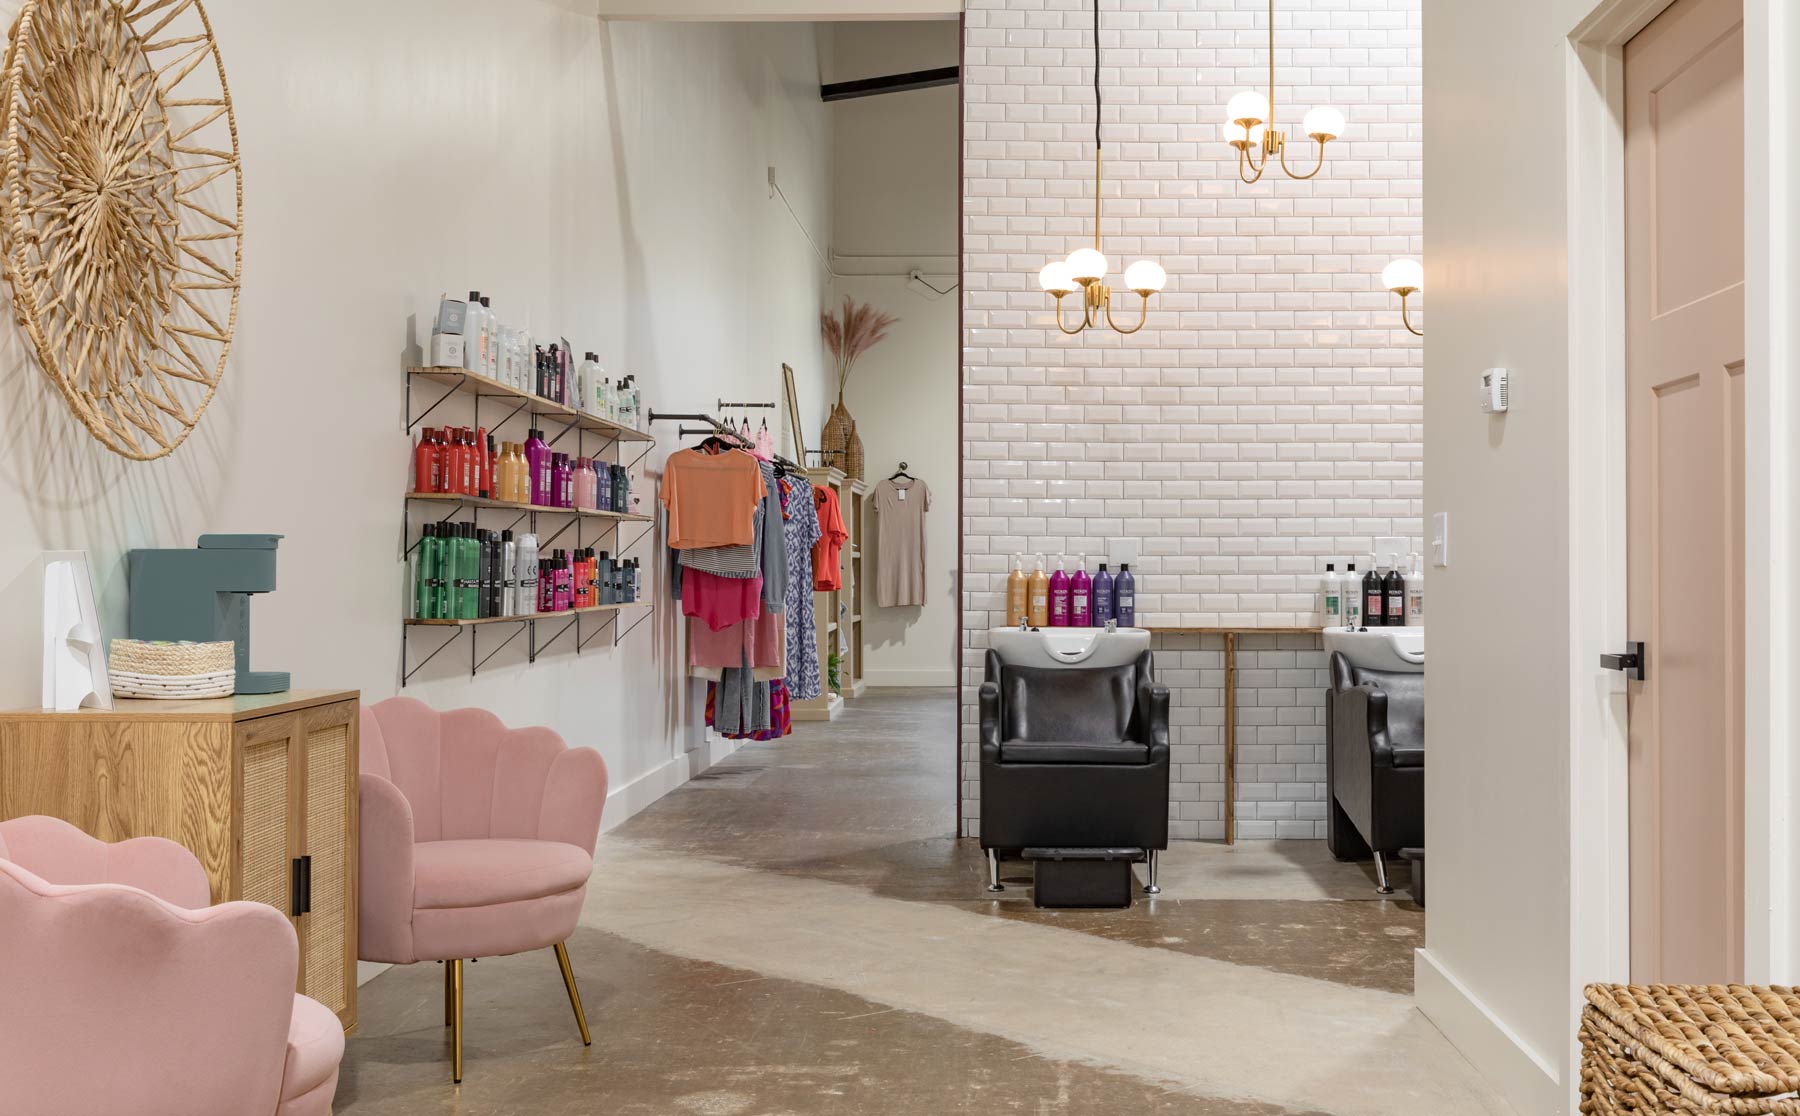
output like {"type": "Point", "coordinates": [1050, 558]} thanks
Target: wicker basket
{"type": "Point", "coordinates": [853, 455]}
{"type": "Point", "coordinates": [834, 440]}
{"type": "Point", "coordinates": [1690, 1050]}
{"type": "Point", "coordinates": [157, 669]}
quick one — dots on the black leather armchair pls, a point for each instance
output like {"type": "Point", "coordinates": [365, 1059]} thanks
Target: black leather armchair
{"type": "Point", "coordinates": [1074, 758]}
{"type": "Point", "coordinates": [1375, 763]}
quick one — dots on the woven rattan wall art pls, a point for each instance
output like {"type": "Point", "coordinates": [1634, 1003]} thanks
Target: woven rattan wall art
{"type": "Point", "coordinates": [121, 211]}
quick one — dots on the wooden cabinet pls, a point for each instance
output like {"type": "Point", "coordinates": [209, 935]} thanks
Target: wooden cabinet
{"type": "Point", "coordinates": [261, 788]}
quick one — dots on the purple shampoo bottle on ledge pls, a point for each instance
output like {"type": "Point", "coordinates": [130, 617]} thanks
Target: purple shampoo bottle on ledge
{"type": "Point", "coordinates": [1125, 596]}
{"type": "Point", "coordinates": [1102, 609]}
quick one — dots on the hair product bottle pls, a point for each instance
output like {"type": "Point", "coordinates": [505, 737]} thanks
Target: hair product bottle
{"type": "Point", "coordinates": [1059, 596]}
{"type": "Point", "coordinates": [1394, 587]}
{"type": "Point", "coordinates": [1333, 592]}
{"type": "Point", "coordinates": [1415, 594]}
{"type": "Point", "coordinates": [490, 350]}
{"type": "Point", "coordinates": [1015, 593]}
{"type": "Point", "coordinates": [1102, 610]}
{"type": "Point", "coordinates": [475, 335]}
{"type": "Point", "coordinates": [1374, 594]}
{"type": "Point", "coordinates": [527, 573]}
{"type": "Point", "coordinates": [1352, 598]}
{"type": "Point", "coordinates": [426, 473]}
{"type": "Point", "coordinates": [1125, 597]}
{"type": "Point", "coordinates": [1038, 610]}
{"type": "Point", "coordinates": [537, 457]}
{"type": "Point", "coordinates": [1081, 595]}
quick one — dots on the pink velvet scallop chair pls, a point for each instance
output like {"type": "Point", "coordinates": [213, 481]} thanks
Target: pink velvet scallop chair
{"type": "Point", "coordinates": [122, 990]}
{"type": "Point", "coordinates": [477, 841]}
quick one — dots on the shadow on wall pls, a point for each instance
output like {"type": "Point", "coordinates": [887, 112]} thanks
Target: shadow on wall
{"type": "Point", "coordinates": [74, 493]}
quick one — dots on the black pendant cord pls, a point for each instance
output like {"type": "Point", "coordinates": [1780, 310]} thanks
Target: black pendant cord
{"type": "Point", "coordinates": [1096, 75]}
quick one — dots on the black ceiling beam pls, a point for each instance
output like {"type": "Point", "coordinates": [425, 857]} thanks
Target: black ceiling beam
{"type": "Point", "coordinates": [893, 83]}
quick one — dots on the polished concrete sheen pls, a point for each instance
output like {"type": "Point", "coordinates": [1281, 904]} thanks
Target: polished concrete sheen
{"type": "Point", "coordinates": [797, 932]}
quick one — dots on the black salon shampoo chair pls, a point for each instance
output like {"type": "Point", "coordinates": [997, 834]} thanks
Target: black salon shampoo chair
{"type": "Point", "coordinates": [1375, 763]}
{"type": "Point", "coordinates": [1074, 758]}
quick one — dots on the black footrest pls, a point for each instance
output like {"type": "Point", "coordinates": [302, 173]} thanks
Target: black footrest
{"type": "Point", "coordinates": [1069, 877]}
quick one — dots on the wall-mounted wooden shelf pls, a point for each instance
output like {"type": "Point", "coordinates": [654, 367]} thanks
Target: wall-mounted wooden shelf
{"type": "Point", "coordinates": [542, 509]}
{"type": "Point", "coordinates": [528, 617]}
{"type": "Point", "coordinates": [474, 383]}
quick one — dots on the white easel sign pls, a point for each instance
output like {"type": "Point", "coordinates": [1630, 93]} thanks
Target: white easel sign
{"type": "Point", "coordinates": [74, 657]}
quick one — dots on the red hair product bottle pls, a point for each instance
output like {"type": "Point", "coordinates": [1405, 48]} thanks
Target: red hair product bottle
{"type": "Point", "coordinates": [426, 476]}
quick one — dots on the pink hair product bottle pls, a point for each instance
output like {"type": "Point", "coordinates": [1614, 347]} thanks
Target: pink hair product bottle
{"type": "Point", "coordinates": [1081, 595]}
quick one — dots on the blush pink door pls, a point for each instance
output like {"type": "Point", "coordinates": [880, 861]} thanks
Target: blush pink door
{"type": "Point", "coordinates": [1684, 256]}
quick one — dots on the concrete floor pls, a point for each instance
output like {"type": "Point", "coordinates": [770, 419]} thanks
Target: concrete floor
{"type": "Point", "coordinates": [796, 932]}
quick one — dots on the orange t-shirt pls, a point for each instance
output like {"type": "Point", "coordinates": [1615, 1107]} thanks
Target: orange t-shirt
{"type": "Point", "coordinates": [711, 498]}
{"type": "Point", "coordinates": [827, 574]}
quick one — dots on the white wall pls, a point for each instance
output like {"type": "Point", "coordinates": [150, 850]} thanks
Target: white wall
{"type": "Point", "coordinates": [1525, 799]}
{"type": "Point", "coordinates": [608, 182]}
{"type": "Point", "coordinates": [896, 190]}
{"type": "Point", "coordinates": [1267, 419]}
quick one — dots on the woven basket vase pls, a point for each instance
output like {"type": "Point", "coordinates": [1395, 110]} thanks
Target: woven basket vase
{"type": "Point", "coordinates": [834, 440]}
{"type": "Point", "coordinates": [853, 455]}
{"type": "Point", "coordinates": [1690, 1050]}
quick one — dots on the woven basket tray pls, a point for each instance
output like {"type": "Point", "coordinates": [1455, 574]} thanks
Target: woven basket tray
{"type": "Point", "coordinates": [177, 660]}
{"type": "Point", "coordinates": [1692, 1050]}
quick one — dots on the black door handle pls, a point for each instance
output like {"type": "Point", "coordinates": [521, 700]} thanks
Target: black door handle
{"type": "Point", "coordinates": [302, 886]}
{"type": "Point", "coordinates": [1632, 661]}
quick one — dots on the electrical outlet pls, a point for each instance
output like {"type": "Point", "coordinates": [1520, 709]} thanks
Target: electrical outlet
{"type": "Point", "coordinates": [1440, 539]}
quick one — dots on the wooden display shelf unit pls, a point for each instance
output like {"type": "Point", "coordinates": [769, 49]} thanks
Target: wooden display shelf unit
{"type": "Point", "coordinates": [827, 605]}
{"type": "Point", "coordinates": [514, 505]}
{"type": "Point", "coordinates": [485, 387]}
{"type": "Point", "coordinates": [261, 789]}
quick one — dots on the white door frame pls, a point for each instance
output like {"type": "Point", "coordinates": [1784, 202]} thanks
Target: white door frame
{"type": "Point", "coordinates": [1599, 906]}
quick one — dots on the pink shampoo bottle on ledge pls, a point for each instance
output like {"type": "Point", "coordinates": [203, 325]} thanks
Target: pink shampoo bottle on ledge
{"type": "Point", "coordinates": [1081, 595]}
{"type": "Point", "coordinates": [1059, 596]}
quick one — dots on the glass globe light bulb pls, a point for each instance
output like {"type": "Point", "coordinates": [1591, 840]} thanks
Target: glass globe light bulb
{"type": "Point", "coordinates": [1086, 265]}
{"type": "Point", "coordinates": [1146, 276]}
{"type": "Point", "coordinates": [1324, 123]}
{"type": "Point", "coordinates": [1403, 275]}
{"type": "Point", "coordinates": [1056, 278]}
{"type": "Point", "coordinates": [1247, 108]}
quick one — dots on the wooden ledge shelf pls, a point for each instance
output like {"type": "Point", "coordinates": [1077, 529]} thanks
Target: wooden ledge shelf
{"type": "Point", "coordinates": [525, 619]}
{"type": "Point", "coordinates": [512, 505]}
{"type": "Point", "coordinates": [474, 383]}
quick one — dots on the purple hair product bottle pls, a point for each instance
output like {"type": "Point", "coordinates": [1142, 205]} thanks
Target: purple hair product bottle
{"type": "Point", "coordinates": [1125, 594]}
{"type": "Point", "coordinates": [1102, 609]}
{"type": "Point", "coordinates": [1081, 595]}
{"type": "Point", "coordinates": [1059, 596]}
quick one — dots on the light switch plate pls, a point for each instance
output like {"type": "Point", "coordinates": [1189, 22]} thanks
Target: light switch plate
{"type": "Point", "coordinates": [1440, 539]}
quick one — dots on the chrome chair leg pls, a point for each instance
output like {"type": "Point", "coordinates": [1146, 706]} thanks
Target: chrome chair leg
{"type": "Point", "coordinates": [994, 883]}
{"type": "Point", "coordinates": [1150, 887]}
{"type": "Point", "coordinates": [1381, 881]}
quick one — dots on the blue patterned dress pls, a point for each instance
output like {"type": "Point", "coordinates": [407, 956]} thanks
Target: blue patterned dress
{"type": "Point", "coordinates": [800, 531]}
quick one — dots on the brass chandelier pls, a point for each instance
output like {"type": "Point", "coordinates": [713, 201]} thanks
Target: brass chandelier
{"type": "Point", "coordinates": [1251, 125]}
{"type": "Point", "coordinates": [1086, 267]}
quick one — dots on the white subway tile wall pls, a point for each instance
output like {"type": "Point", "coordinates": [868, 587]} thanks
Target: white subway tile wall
{"type": "Point", "coordinates": [1265, 420]}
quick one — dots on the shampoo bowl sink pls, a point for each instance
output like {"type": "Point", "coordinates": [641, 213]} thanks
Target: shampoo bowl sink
{"type": "Point", "coordinates": [1068, 647]}
{"type": "Point", "coordinates": [1392, 649]}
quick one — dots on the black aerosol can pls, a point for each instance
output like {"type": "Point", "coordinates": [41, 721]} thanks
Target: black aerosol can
{"type": "Point", "coordinates": [1374, 595]}
{"type": "Point", "coordinates": [1395, 585]}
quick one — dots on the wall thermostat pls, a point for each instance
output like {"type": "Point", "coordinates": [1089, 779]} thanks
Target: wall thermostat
{"type": "Point", "coordinates": [1494, 395]}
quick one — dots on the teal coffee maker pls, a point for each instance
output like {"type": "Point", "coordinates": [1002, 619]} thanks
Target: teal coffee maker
{"type": "Point", "coordinates": [203, 596]}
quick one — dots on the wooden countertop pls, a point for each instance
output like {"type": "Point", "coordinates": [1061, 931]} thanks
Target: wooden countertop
{"type": "Point", "coordinates": [238, 707]}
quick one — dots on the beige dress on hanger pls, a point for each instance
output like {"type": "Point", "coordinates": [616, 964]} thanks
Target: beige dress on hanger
{"type": "Point", "coordinates": [900, 507]}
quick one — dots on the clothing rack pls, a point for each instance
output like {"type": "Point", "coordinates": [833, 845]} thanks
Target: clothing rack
{"type": "Point", "coordinates": [724, 406]}
{"type": "Point", "coordinates": [719, 430]}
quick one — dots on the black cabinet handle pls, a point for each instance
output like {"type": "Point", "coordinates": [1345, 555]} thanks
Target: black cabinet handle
{"type": "Point", "coordinates": [302, 886]}
{"type": "Point", "coordinates": [1632, 661]}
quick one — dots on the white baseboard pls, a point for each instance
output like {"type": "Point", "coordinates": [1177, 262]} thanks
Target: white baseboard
{"type": "Point", "coordinates": [926, 677]}
{"type": "Point", "coordinates": [624, 801]}
{"type": "Point", "coordinates": [1531, 1083]}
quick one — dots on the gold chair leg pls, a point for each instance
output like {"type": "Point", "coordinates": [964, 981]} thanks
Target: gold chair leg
{"type": "Point", "coordinates": [449, 991]}
{"type": "Point", "coordinates": [456, 1021]}
{"type": "Point", "coordinates": [568, 972]}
